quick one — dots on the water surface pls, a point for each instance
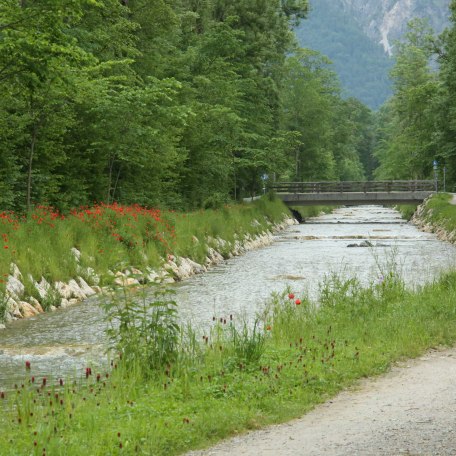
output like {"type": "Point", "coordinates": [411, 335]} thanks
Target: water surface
{"type": "Point", "coordinates": [64, 342]}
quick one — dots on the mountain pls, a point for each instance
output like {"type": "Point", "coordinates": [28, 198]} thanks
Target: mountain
{"type": "Point", "coordinates": [358, 36]}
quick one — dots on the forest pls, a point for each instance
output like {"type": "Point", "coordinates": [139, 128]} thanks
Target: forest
{"type": "Point", "coordinates": [416, 128]}
{"type": "Point", "coordinates": [172, 103]}
{"type": "Point", "coordinates": [186, 104]}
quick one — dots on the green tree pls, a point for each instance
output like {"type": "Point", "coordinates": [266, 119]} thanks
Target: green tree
{"type": "Point", "coordinates": [408, 148]}
{"type": "Point", "coordinates": [447, 98]}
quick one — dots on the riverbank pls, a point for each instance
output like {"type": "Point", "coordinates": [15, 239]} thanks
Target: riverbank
{"type": "Point", "coordinates": [234, 379]}
{"type": "Point", "coordinates": [231, 380]}
{"type": "Point", "coordinates": [438, 215]}
{"type": "Point", "coordinates": [51, 260]}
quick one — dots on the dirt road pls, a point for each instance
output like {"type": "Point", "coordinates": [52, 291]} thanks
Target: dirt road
{"type": "Point", "coordinates": [409, 411]}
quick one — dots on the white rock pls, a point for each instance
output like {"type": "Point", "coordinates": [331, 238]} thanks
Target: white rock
{"type": "Point", "coordinates": [15, 271]}
{"type": "Point", "coordinates": [45, 284]}
{"type": "Point", "coordinates": [76, 253]}
{"type": "Point", "coordinates": [97, 289]}
{"type": "Point", "coordinates": [14, 287]}
{"type": "Point", "coordinates": [2, 326]}
{"type": "Point", "coordinates": [41, 291]}
{"type": "Point", "coordinates": [63, 290]}
{"type": "Point", "coordinates": [152, 276]}
{"type": "Point", "coordinates": [86, 289]}
{"type": "Point", "coordinates": [90, 272]}
{"type": "Point", "coordinates": [214, 256]}
{"type": "Point", "coordinates": [137, 272]}
{"type": "Point", "coordinates": [196, 267]}
{"type": "Point", "coordinates": [35, 303]}
{"type": "Point", "coordinates": [126, 281]}
{"type": "Point", "coordinates": [76, 291]}
{"type": "Point", "coordinates": [27, 310]}
{"type": "Point", "coordinates": [184, 270]}
{"type": "Point", "coordinates": [15, 311]}
{"type": "Point", "coordinates": [73, 301]}
{"type": "Point", "coordinates": [172, 267]}
{"type": "Point", "coordinates": [63, 304]}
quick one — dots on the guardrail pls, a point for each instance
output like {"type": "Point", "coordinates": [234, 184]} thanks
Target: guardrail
{"type": "Point", "coordinates": [354, 186]}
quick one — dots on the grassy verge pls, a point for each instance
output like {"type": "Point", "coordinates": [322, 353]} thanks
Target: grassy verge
{"type": "Point", "coordinates": [230, 380]}
{"type": "Point", "coordinates": [114, 237]}
{"type": "Point", "coordinates": [440, 213]}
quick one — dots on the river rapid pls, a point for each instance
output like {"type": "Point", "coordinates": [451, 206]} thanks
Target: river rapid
{"type": "Point", "coordinates": [64, 342]}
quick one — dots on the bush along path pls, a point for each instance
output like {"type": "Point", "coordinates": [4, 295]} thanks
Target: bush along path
{"type": "Point", "coordinates": [50, 260]}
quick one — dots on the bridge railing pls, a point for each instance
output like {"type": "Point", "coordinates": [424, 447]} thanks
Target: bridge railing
{"type": "Point", "coordinates": [354, 186]}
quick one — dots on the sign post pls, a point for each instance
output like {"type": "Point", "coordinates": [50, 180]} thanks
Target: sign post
{"type": "Point", "coordinates": [436, 181]}
{"type": "Point", "coordinates": [264, 178]}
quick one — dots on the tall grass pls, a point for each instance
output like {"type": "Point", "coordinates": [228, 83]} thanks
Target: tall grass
{"type": "Point", "coordinates": [232, 377]}
{"type": "Point", "coordinates": [113, 237]}
{"type": "Point", "coordinates": [407, 210]}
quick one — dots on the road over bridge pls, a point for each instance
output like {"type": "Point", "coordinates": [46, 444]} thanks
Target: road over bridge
{"type": "Point", "coordinates": [353, 193]}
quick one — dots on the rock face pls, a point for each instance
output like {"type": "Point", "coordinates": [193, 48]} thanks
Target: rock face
{"type": "Point", "coordinates": [385, 21]}
{"type": "Point", "coordinates": [359, 37]}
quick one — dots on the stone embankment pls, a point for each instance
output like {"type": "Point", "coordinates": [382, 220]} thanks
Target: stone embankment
{"type": "Point", "coordinates": [19, 304]}
{"type": "Point", "coordinates": [423, 220]}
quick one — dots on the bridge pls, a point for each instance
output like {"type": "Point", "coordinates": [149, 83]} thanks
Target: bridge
{"type": "Point", "coordinates": [353, 193]}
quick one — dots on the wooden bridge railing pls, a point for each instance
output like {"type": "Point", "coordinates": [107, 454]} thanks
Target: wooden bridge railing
{"type": "Point", "coordinates": [354, 186]}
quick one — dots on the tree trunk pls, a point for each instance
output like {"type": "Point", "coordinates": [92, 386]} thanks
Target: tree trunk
{"type": "Point", "coordinates": [30, 168]}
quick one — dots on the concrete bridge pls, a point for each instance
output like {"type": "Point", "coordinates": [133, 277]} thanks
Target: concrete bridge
{"type": "Point", "coordinates": [353, 193]}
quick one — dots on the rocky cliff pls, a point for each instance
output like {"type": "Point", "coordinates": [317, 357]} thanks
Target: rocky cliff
{"type": "Point", "coordinates": [386, 20]}
{"type": "Point", "coordinates": [359, 35]}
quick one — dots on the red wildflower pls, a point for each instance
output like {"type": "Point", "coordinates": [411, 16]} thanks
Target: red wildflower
{"type": "Point", "coordinates": [291, 296]}
{"type": "Point", "coordinates": [298, 302]}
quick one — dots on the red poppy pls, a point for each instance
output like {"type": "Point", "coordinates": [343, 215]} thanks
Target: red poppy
{"type": "Point", "coordinates": [298, 302]}
{"type": "Point", "coordinates": [291, 296]}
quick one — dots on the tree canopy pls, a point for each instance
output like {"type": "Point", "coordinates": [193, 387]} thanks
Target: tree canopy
{"type": "Point", "coordinates": [180, 103]}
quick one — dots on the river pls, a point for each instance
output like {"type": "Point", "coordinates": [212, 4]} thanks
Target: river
{"type": "Point", "coordinates": [64, 342]}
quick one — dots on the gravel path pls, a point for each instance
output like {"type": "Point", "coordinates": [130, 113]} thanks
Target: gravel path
{"type": "Point", "coordinates": [453, 201]}
{"type": "Point", "coordinates": [409, 411]}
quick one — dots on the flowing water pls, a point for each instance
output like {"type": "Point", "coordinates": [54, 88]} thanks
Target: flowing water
{"type": "Point", "coordinates": [64, 342]}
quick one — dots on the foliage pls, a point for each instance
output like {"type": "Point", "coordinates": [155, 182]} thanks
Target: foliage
{"type": "Point", "coordinates": [143, 329]}
{"type": "Point", "coordinates": [415, 129]}
{"type": "Point", "coordinates": [408, 149]}
{"type": "Point", "coordinates": [162, 103]}
{"type": "Point", "coordinates": [331, 134]}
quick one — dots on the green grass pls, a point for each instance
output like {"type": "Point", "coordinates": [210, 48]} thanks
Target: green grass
{"type": "Point", "coordinates": [235, 380]}
{"type": "Point", "coordinates": [440, 212]}
{"type": "Point", "coordinates": [406, 210]}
